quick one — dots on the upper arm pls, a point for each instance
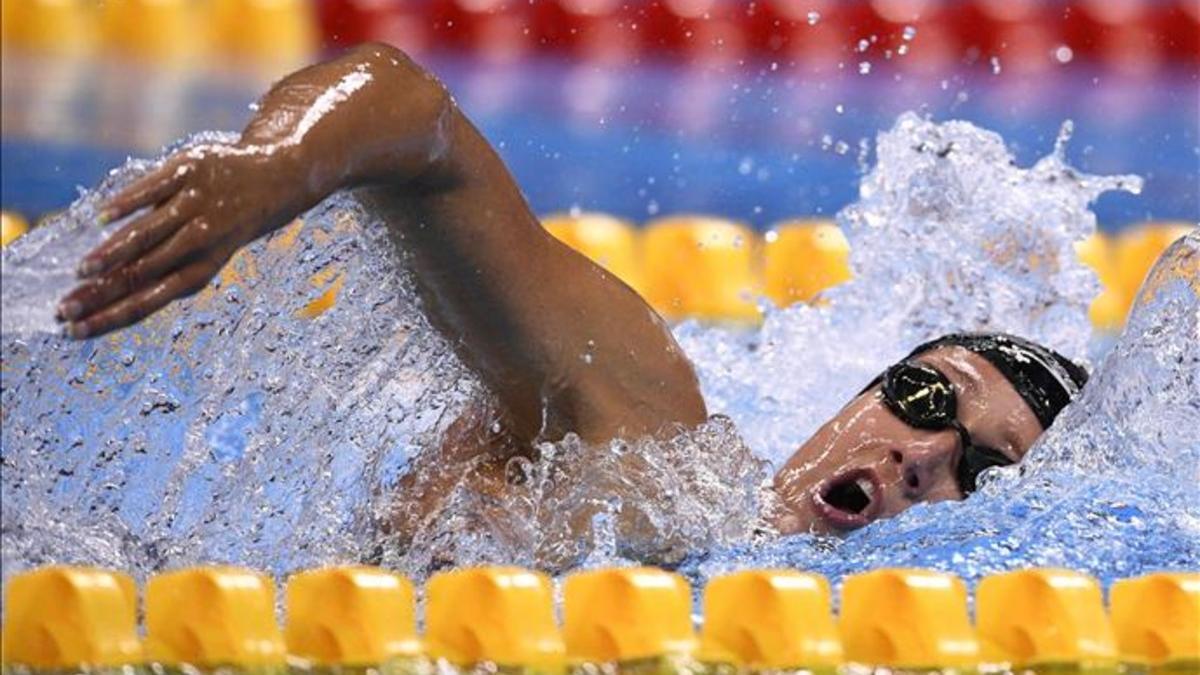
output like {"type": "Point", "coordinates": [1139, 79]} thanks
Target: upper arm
{"type": "Point", "coordinates": [565, 345]}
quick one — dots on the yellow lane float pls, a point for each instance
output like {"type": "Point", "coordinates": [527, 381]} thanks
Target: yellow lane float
{"type": "Point", "coordinates": [802, 258]}
{"type": "Point", "coordinates": [702, 267]}
{"type": "Point", "coordinates": [1157, 622]}
{"type": "Point", "coordinates": [1108, 309]}
{"type": "Point", "coordinates": [279, 32]}
{"type": "Point", "coordinates": [12, 227]}
{"type": "Point", "coordinates": [770, 620]}
{"type": "Point", "coordinates": [50, 27]}
{"type": "Point", "coordinates": [1033, 622]}
{"type": "Point", "coordinates": [351, 617]}
{"type": "Point", "coordinates": [1138, 248]}
{"type": "Point", "coordinates": [163, 31]}
{"type": "Point", "coordinates": [621, 616]}
{"type": "Point", "coordinates": [70, 619]}
{"type": "Point", "coordinates": [908, 619]}
{"type": "Point", "coordinates": [493, 615]}
{"type": "Point", "coordinates": [212, 617]}
{"type": "Point", "coordinates": [1045, 620]}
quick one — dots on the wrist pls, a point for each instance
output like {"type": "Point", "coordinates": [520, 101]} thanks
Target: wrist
{"type": "Point", "coordinates": [297, 182]}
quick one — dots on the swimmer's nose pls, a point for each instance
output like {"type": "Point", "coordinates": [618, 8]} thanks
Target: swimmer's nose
{"type": "Point", "coordinates": [925, 470]}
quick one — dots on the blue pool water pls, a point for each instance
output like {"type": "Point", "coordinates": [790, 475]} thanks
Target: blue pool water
{"type": "Point", "coordinates": [758, 142]}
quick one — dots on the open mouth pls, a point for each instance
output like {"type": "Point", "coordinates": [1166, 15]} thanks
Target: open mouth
{"type": "Point", "coordinates": [850, 500]}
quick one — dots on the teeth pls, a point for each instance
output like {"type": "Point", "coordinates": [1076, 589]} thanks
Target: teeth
{"type": "Point", "coordinates": [867, 487]}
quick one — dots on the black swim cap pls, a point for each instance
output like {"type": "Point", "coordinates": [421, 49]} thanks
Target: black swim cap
{"type": "Point", "coordinates": [1045, 379]}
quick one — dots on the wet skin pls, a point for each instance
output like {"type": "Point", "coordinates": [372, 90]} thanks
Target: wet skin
{"type": "Point", "coordinates": [521, 308]}
{"type": "Point", "coordinates": [895, 464]}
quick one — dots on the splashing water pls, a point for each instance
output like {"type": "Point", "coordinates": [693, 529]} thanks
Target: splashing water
{"type": "Point", "coordinates": [949, 234]}
{"type": "Point", "coordinates": [271, 420]}
{"type": "Point", "coordinates": [265, 423]}
{"type": "Point", "coordinates": [239, 425]}
{"type": "Point", "coordinates": [1112, 489]}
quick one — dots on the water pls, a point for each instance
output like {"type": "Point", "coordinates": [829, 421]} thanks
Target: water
{"type": "Point", "coordinates": [230, 427]}
{"type": "Point", "coordinates": [1112, 489]}
{"type": "Point", "coordinates": [244, 425]}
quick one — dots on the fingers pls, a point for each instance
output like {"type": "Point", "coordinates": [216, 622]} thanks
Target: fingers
{"type": "Point", "coordinates": [186, 243]}
{"type": "Point", "coordinates": [142, 303]}
{"type": "Point", "coordinates": [148, 190]}
{"type": "Point", "coordinates": [135, 238]}
{"type": "Point", "coordinates": [98, 292]}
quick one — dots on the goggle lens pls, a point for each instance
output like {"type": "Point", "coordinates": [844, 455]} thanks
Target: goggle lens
{"type": "Point", "coordinates": [920, 395]}
{"type": "Point", "coordinates": [924, 398]}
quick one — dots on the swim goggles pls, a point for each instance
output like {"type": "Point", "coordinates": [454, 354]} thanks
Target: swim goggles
{"type": "Point", "coordinates": [924, 398]}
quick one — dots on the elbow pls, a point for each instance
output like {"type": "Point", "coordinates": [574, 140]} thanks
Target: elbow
{"type": "Point", "coordinates": [426, 104]}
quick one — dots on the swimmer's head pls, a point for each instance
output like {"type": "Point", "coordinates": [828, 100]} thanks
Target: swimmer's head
{"type": "Point", "coordinates": [924, 430]}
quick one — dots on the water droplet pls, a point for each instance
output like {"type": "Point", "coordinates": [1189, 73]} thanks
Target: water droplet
{"type": "Point", "coordinates": [863, 45]}
{"type": "Point", "coordinates": [839, 108]}
{"type": "Point", "coordinates": [909, 33]}
{"type": "Point", "coordinates": [864, 68]}
{"type": "Point", "coordinates": [995, 65]}
{"type": "Point", "coordinates": [1063, 54]}
{"type": "Point", "coordinates": [746, 166]}
{"type": "Point", "coordinates": [813, 18]}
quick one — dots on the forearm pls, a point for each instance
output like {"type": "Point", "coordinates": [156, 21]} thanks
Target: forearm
{"type": "Point", "coordinates": [371, 116]}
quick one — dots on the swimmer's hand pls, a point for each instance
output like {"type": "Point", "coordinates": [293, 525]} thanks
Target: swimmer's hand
{"type": "Point", "coordinates": [204, 203]}
{"type": "Point", "coordinates": [370, 117]}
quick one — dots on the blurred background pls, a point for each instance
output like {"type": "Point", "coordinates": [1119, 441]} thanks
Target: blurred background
{"type": "Point", "coordinates": [757, 113]}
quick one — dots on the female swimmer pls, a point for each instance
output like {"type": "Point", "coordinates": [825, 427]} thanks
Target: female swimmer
{"type": "Point", "coordinates": [521, 307]}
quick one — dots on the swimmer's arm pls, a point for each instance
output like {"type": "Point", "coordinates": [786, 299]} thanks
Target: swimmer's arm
{"type": "Point", "coordinates": [565, 345]}
{"type": "Point", "coordinates": [562, 343]}
{"type": "Point", "coordinates": [371, 115]}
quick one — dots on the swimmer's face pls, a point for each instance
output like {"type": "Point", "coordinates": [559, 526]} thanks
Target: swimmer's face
{"type": "Point", "coordinates": [866, 463]}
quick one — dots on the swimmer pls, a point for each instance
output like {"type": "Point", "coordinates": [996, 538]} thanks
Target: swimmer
{"type": "Point", "coordinates": [521, 308]}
